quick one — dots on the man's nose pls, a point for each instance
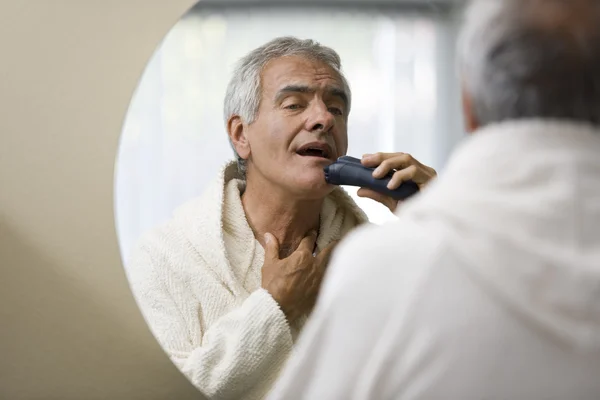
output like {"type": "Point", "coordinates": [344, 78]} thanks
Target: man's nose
{"type": "Point", "coordinates": [320, 119]}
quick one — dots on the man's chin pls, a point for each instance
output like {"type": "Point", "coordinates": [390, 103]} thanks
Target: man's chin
{"type": "Point", "coordinates": [313, 188]}
{"type": "Point", "coordinates": [307, 180]}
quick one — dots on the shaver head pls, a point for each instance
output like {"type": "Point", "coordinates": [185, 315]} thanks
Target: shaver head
{"type": "Point", "coordinates": [332, 172]}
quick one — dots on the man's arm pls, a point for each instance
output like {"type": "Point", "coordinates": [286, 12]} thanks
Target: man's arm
{"type": "Point", "coordinates": [241, 350]}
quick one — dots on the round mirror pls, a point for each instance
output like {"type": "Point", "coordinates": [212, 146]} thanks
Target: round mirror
{"type": "Point", "coordinates": [175, 144]}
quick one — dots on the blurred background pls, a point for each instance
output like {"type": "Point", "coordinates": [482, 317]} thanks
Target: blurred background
{"type": "Point", "coordinates": [398, 56]}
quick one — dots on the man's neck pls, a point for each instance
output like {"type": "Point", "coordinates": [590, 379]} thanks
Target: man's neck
{"type": "Point", "coordinates": [270, 210]}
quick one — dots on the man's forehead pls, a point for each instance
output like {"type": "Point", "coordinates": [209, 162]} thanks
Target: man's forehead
{"type": "Point", "coordinates": [300, 71]}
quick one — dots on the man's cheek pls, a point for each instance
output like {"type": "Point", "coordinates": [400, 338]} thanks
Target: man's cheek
{"type": "Point", "coordinates": [343, 147]}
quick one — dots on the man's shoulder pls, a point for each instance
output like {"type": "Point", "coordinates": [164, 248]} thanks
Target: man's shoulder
{"type": "Point", "coordinates": [198, 215]}
{"type": "Point", "coordinates": [166, 231]}
{"type": "Point", "coordinates": [404, 241]}
{"type": "Point", "coordinates": [391, 257]}
{"type": "Point", "coordinates": [176, 238]}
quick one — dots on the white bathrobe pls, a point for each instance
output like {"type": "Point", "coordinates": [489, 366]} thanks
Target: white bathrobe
{"type": "Point", "coordinates": [486, 287]}
{"type": "Point", "coordinates": [197, 280]}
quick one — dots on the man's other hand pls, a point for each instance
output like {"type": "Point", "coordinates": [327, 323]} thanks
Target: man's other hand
{"type": "Point", "coordinates": [294, 282]}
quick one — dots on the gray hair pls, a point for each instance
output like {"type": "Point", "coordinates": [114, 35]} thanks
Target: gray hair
{"type": "Point", "coordinates": [243, 94]}
{"type": "Point", "coordinates": [516, 64]}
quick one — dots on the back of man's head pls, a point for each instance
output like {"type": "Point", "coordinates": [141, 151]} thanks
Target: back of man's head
{"type": "Point", "coordinates": [531, 59]}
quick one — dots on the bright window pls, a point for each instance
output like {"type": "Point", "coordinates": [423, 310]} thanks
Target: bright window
{"type": "Point", "coordinates": [174, 139]}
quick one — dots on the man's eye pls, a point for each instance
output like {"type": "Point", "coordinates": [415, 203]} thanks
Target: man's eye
{"type": "Point", "coordinates": [293, 107]}
{"type": "Point", "coordinates": [336, 111]}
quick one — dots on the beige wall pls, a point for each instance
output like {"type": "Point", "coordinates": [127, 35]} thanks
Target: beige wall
{"type": "Point", "coordinates": [69, 328]}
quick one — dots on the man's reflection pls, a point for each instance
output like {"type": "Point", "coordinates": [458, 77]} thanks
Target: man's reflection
{"type": "Point", "coordinates": [228, 282]}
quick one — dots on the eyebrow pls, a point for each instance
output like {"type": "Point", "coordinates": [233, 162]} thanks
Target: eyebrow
{"type": "Point", "coordinates": [332, 90]}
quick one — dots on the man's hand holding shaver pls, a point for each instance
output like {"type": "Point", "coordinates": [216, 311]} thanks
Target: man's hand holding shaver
{"type": "Point", "coordinates": [406, 167]}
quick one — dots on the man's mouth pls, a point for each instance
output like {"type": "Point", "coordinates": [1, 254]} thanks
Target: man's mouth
{"type": "Point", "coordinates": [316, 149]}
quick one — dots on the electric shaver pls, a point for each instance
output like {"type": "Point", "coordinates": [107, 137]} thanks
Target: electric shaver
{"type": "Point", "coordinates": [349, 171]}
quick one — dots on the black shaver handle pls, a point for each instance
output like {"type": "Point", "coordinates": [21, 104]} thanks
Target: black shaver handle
{"type": "Point", "coordinates": [350, 173]}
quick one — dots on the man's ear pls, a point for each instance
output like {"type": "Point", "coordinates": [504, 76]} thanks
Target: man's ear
{"type": "Point", "coordinates": [470, 120]}
{"type": "Point", "coordinates": [237, 131]}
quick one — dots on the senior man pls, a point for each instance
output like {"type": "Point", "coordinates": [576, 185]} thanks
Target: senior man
{"type": "Point", "coordinates": [228, 283]}
{"type": "Point", "coordinates": [488, 285]}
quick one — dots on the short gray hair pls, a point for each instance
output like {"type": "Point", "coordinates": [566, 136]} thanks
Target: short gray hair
{"type": "Point", "coordinates": [515, 65]}
{"type": "Point", "coordinates": [243, 94]}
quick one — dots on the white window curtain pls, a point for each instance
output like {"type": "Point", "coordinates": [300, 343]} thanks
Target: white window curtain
{"type": "Point", "coordinates": [174, 139]}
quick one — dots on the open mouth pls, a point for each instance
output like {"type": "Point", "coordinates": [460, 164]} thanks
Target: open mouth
{"type": "Point", "coordinates": [315, 150]}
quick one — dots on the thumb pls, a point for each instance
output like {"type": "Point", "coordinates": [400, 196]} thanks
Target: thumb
{"type": "Point", "coordinates": [325, 254]}
{"type": "Point", "coordinates": [271, 247]}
